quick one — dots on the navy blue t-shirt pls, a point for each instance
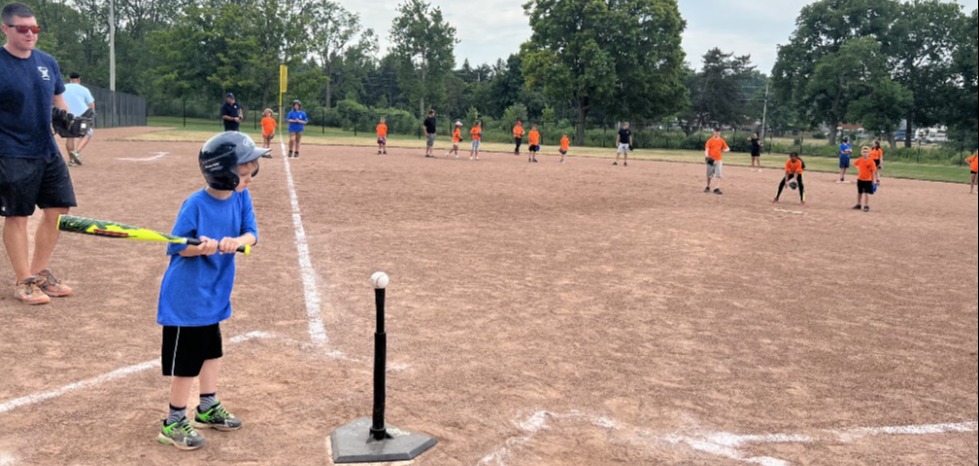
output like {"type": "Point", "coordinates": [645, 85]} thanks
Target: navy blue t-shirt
{"type": "Point", "coordinates": [27, 90]}
{"type": "Point", "coordinates": [233, 111]}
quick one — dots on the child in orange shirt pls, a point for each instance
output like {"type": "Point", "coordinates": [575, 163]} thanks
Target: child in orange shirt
{"type": "Point", "coordinates": [268, 129]}
{"type": "Point", "coordinates": [974, 168]}
{"type": "Point", "coordinates": [476, 134]}
{"type": "Point", "coordinates": [456, 140]}
{"type": "Point", "coordinates": [794, 169]}
{"type": "Point", "coordinates": [865, 179]}
{"type": "Point", "coordinates": [518, 137]}
{"type": "Point", "coordinates": [877, 155]}
{"type": "Point", "coordinates": [382, 137]}
{"type": "Point", "coordinates": [716, 147]}
{"type": "Point", "coordinates": [534, 144]}
{"type": "Point", "coordinates": [565, 146]}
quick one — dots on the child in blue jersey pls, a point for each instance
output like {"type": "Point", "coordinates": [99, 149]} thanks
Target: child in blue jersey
{"type": "Point", "coordinates": [846, 152]}
{"type": "Point", "coordinates": [297, 120]}
{"type": "Point", "coordinates": [196, 293]}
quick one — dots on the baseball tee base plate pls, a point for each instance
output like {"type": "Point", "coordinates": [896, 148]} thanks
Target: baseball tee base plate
{"type": "Point", "coordinates": [352, 443]}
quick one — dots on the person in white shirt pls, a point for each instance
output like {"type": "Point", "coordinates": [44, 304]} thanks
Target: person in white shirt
{"type": "Point", "coordinates": [79, 100]}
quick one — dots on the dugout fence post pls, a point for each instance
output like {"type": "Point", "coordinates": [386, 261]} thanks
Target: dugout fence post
{"type": "Point", "coordinates": [371, 440]}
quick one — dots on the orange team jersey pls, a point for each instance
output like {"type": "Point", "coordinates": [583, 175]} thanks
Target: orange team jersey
{"type": "Point", "coordinates": [794, 167]}
{"type": "Point", "coordinates": [476, 133]}
{"type": "Point", "coordinates": [716, 148]}
{"type": "Point", "coordinates": [457, 136]}
{"type": "Point", "coordinates": [268, 126]}
{"type": "Point", "coordinates": [565, 144]}
{"type": "Point", "coordinates": [974, 163]}
{"type": "Point", "coordinates": [518, 131]}
{"type": "Point", "coordinates": [382, 131]}
{"type": "Point", "coordinates": [876, 154]}
{"type": "Point", "coordinates": [534, 138]}
{"type": "Point", "coordinates": [867, 168]}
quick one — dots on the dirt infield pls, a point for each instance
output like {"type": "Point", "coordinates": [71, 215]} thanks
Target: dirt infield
{"type": "Point", "coordinates": [577, 314]}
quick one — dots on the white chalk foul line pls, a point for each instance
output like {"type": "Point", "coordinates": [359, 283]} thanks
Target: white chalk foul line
{"type": "Point", "coordinates": [155, 156]}
{"type": "Point", "coordinates": [37, 398]}
{"type": "Point", "coordinates": [720, 444]}
{"type": "Point", "coordinates": [317, 331]}
{"type": "Point", "coordinates": [535, 424]}
{"type": "Point", "coordinates": [6, 460]}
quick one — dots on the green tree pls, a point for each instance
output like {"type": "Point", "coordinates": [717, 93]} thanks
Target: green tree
{"type": "Point", "coordinates": [718, 90]}
{"type": "Point", "coordinates": [823, 29]}
{"type": "Point", "coordinates": [424, 43]}
{"type": "Point", "coordinates": [622, 58]}
{"type": "Point", "coordinates": [923, 46]}
{"type": "Point", "coordinates": [343, 47]}
{"type": "Point", "coordinates": [964, 101]}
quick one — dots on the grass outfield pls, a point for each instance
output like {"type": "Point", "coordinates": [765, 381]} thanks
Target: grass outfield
{"type": "Point", "coordinates": [201, 130]}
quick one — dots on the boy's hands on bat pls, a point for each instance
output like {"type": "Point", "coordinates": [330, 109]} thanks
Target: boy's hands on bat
{"type": "Point", "coordinates": [229, 245]}
{"type": "Point", "coordinates": [208, 247]}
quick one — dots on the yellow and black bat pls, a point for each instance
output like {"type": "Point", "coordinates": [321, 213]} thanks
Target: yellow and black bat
{"type": "Point", "coordinates": [105, 229]}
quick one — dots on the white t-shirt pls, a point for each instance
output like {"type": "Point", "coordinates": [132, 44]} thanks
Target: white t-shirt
{"type": "Point", "coordinates": [78, 98]}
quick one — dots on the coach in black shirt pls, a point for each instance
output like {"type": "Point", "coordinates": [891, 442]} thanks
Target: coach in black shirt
{"type": "Point", "coordinates": [231, 113]}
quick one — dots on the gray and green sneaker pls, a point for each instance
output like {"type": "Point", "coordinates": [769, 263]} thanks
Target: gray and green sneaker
{"type": "Point", "coordinates": [217, 418]}
{"type": "Point", "coordinates": [181, 435]}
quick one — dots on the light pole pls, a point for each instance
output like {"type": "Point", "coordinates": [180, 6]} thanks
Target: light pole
{"type": "Point", "coordinates": [112, 46]}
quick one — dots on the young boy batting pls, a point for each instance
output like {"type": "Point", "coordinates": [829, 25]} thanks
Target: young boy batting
{"type": "Point", "coordinates": [382, 137]}
{"type": "Point", "coordinates": [456, 140]}
{"type": "Point", "coordinates": [565, 146]}
{"type": "Point", "coordinates": [865, 179]}
{"type": "Point", "coordinates": [268, 129]}
{"type": "Point", "coordinates": [974, 168]}
{"type": "Point", "coordinates": [476, 133]}
{"type": "Point", "coordinates": [794, 169]}
{"type": "Point", "coordinates": [534, 144]}
{"type": "Point", "coordinates": [716, 147]}
{"type": "Point", "coordinates": [196, 293]}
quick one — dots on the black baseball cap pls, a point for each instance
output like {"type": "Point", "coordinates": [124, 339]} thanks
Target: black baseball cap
{"type": "Point", "coordinates": [75, 75]}
{"type": "Point", "coordinates": [230, 96]}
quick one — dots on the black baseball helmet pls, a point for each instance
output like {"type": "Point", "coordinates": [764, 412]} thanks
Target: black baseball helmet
{"type": "Point", "coordinates": [220, 157]}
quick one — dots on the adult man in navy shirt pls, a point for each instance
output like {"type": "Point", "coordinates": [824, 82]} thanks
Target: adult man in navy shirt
{"type": "Point", "coordinates": [32, 172]}
{"type": "Point", "coordinates": [231, 113]}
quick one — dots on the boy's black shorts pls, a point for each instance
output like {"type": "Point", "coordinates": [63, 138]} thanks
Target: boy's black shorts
{"type": "Point", "coordinates": [185, 349]}
{"type": "Point", "coordinates": [865, 187]}
{"type": "Point", "coordinates": [26, 184]}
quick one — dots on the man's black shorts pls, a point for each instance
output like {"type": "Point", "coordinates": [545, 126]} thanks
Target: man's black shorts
{"type": "Point", "coordinates": [865, 187]}
{"type": "Point", "coordinates": [26, 184]}
{"type": "Point", "coordinates": [185, 349]}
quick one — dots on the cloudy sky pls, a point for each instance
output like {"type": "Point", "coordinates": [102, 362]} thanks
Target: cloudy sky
{"type": "Point", "coordinates": [493, 29]}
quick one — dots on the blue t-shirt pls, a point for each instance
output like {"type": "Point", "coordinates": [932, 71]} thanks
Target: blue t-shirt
{"type": "Point", "coordinates": [78, 98]}
{"type": "Point", "coordinates": [297, 115]}
{"type": "Point", "coordinates": [27, 90]}
{"type": "Point", "coordinates": [844, 148]}
{"type": "Point", "coordinates": [196, 291]}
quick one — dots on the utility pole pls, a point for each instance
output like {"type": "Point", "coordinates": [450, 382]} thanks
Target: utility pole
{"type": "Point", "coordinates": [112, 46]}
{"type": "Point", "coordinates": [764, 117]}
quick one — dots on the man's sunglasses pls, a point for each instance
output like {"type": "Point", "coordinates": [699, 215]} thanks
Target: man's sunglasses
{"type": "Point", "coordinates": [25, 29]}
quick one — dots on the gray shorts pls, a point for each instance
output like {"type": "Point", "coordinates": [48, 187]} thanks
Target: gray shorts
{"type": "Point", "coordinates": [623, 149]}
{"type": "Point", "coordinates": [716, 170]}
{"type": "Point", "coordinates": [431, 140]}
{"type": "Point", "coordinates": [475, 146]}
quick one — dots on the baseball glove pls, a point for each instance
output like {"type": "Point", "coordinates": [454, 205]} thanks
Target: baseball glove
{"type": "Point", "coordinates": [793, 185]}
{"type": "Point", "coordinates": [710, 161]}
{"type": "Point", "coordinates": [67, 125]}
